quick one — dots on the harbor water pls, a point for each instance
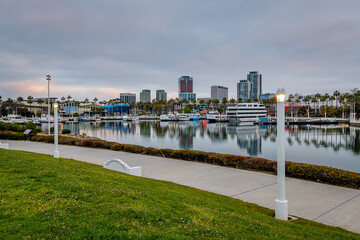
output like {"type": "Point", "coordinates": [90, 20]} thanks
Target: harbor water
{"type": "Point", "coordinates": [336, 146]}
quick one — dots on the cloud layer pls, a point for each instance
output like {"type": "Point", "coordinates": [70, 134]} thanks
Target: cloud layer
{"type": "Point", "coordinates": [100, 48]}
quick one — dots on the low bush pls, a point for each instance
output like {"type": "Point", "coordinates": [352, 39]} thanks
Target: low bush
{"type": "Point", "coordinates": [297, 170]}
{"type": "Point", "coordinates": [66, 131]}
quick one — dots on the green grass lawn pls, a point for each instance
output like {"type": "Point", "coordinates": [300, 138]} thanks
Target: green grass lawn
{"type": "Point", "coordinates": [43, 197]}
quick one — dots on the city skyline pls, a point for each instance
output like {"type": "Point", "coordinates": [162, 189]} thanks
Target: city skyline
{"type": "Point", "coordinates": [100, 49]}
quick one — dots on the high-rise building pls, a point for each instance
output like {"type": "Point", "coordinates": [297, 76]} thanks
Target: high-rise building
{"type": "Point", "coordinates": [243, 90]}
{"type": "Point", "coordinates": [128, 97]}
{"type": "Point", "coordinates": [219, 92]}
{"type": "Point", "coordinates": [145, 95]}
{"type": "Point", "coordinates": [161, 95]}
{"type": "Point", "coordinates": [185, 84]}
{"type": "Point", "coordinates": [186, 88]}
{"type": "Point", "coordinates": [256, 85]}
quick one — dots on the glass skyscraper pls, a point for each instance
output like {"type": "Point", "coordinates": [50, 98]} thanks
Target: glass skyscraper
{"type": "Point", "coordinates": [161, 95]}
{"type": "Point", "coordinates": [145, 95]}
{"type": "Point", "coordinates": [256, 85]}
{"type": "Point", "coordinates": [243, 90]}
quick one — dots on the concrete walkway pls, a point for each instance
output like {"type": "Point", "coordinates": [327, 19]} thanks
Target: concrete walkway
{"type": "Point", "coordinates": [331, 205]}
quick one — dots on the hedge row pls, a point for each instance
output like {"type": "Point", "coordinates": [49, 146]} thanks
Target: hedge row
{"type": "Point", "coordinates": [13, 127]}
{"type": "Point", "coordinates": [297, 170]}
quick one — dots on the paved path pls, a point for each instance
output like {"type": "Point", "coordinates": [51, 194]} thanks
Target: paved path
{"type": "Point", "coordinates": [331, 205]}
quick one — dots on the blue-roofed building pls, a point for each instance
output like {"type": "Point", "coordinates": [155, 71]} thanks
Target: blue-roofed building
{"type": "Point", "coordinates": [120, 108]}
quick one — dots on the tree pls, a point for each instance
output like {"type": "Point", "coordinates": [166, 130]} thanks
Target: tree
{"type": "Point", "coordinates": [63, 99]}
{"type": "Point", "coordinates": [248, 100]}
{"type": "Point", "coordinates": [224, 102]}
{"type": "Point", "coordinates": [336, 94]}
{"type": "Point", "coordinates": [40, 101]}
{"type": "Point", "coordinates": [240, 100]}
{"type": "Point", "coordinates": [232, 101]}
{"type": "Point", "coordinates": [29, 101]}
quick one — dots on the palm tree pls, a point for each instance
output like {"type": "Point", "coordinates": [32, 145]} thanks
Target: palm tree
{"type": "Point", "coordinates": [63, 99]}
{"type": "Point", "coordinates": [240, 100]}
{"type": "Point", "coordinates": [232, 101]}
{"type": "Point", "coordinates": [19, 100]}
{"type": "Point", "coordinates": [336, 94]}
{"type": "Point", "coordinates": [224, 102]}
{"type": "Point", "coordinates": [208, 103]}
{"type": "Point", "coordinates": [29, 101]}
{"type": "Point", "coordinates": [40, 101]}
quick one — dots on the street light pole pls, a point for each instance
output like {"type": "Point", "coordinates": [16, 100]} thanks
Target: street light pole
{"type": "Point", "coordinates": [56, 132]}
{"type": "Point", "coordinates": [48, 78]}
{"type": "Point", "coordinates": [281, 204]}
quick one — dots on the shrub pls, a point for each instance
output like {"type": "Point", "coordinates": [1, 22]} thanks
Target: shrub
{"type": "Point", "coordinates": [66, 131]}
{"type": "Point", "coordinates": [117, 147]}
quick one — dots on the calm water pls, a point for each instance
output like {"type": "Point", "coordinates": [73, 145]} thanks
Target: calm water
{"type": "Point", "coordinates": [335, 146]}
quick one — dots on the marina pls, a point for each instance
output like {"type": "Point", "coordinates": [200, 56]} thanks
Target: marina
{"type": "Point", "coordinates": [328, 145]}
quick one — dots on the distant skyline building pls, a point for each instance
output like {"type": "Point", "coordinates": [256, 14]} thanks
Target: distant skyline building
{"type": "Point", "coordinates": [219, 92]}
{"type": "Point", "coordinates": [145, 95]}
{"type": "Point", "coordinates": [256, 85]}
{"type": "Point", "coordinates": [243, 90]}
{"type": "Point", "coordinates": [128, 97]}
{"type": "Point", "coordinates": [186, 88]}
{"type": "Point", "coordinates": [161, 95]}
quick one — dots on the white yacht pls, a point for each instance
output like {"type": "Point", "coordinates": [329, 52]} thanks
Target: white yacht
{"type": "Point", "coordinates": [183, 117]}
{"type": "Point", "coordinates": [169, 117]}
{"type": "Point", "coordinates": [246, 112]}
{"type": "Point", "coordinates": [215, 116]}
{"type": "Point", "coordinates": [45, 119]}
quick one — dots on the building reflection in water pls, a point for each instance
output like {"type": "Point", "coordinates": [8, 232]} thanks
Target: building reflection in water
{"type": "Point", "coordinates": [335, 137]}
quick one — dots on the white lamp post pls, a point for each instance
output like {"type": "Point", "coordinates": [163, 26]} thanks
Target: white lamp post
{"type": "Point", "coordinates": [48, 78]}
{"type": "Point", "coordinates": [281, 204]}
{"type": "Point", "coordinates": [56, 134]}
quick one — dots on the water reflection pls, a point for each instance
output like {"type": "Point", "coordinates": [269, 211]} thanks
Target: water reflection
{"type": "Point", "coordinates": [334, 145]}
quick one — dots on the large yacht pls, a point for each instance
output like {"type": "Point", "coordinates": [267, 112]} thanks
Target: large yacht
{"type": "Point", "coordinates": [246, 112]}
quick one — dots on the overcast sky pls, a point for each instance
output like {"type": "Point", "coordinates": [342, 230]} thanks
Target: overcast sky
{"type": "Point", "coordinates": [101, 48]}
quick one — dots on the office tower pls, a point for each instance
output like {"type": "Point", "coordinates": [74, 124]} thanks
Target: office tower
{"type": "Point", "coordinates": [256, 85]}
{"type": "Point", "coordinates": [145, 95]}
{"type": "Point", "coordinates": [219, 92]}
{"type": "Point", "coordinates": [161, 95]}
{"type": "Point", "coordinates": [128, 97]}
{"type": "Point", "coordinates": [243, 90]}
{"type": "Point", "coordinates": [186, 88]}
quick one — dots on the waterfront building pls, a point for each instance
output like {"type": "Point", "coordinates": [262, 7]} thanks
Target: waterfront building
{"type": "Point", "coordinates": [256, 85]}
{"type": "Point", "coordinates": [161, 95]}
{"type": "Point", "coordinates": [186, 88]}
{"type": "Point", "coordinates": [117, 109]}
{"type": "Point", "coordinates": [219, 92]}
{"type": "Point", "coordinates": [145, 96]}
{"type": "Point", "coordinates": [243, 90]}
{"type": "Point", "coordinates": [128, 97]}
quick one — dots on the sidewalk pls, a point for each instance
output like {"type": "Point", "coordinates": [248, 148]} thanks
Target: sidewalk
{"type": "Point", "coordinates": [331, 205]}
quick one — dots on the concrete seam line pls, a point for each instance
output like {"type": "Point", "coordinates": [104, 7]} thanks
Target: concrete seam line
{"type": "Point", "coordinates": [253, 189]}
{"type": "Point", "coordinates": [337, 206]}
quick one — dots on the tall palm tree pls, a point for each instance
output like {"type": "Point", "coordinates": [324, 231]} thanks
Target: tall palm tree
{"type": "Point", "coordinates": [336, 94]}
{"type": "Point", "coordinates": [19, 100]}
{"type": "Point", "coordinates": [40, 101]}
{"type": "Point", "coordinates": [29, 101]}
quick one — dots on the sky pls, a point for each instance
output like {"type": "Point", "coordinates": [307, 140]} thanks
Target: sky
{"type": "Point", "coordinates": [102, 48]}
